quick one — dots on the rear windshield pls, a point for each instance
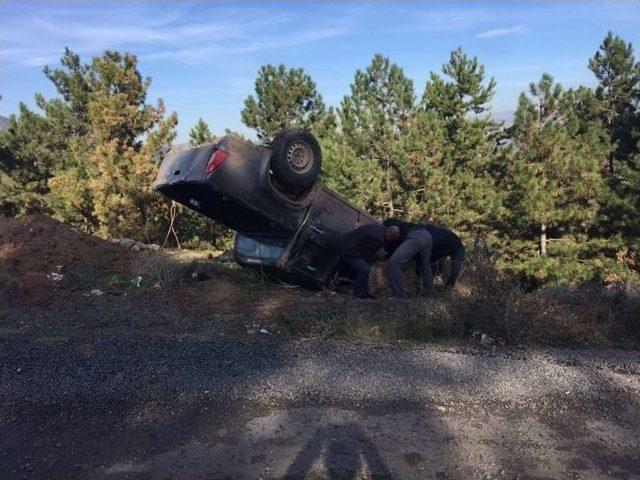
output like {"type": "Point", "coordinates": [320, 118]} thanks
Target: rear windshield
{"type": "Point", "coordinates": [266, 248]}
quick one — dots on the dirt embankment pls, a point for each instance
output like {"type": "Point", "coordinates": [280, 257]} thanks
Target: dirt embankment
{"type": "Point", "coordinates": [44, 262]}
{"type": "Point", "coordinates": [56, 279]}
{"type": "Point", "coordinates": [47, 266]}
{"type": "Point", "coordinates": [40, 257]}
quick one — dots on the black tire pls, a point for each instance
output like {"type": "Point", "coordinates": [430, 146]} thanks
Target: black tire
{"type": "Point", "coordinates": [296, 159]}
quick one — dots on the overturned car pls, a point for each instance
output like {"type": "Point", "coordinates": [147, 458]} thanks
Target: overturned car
{"type": "Point", "coordinates": [287, 223]}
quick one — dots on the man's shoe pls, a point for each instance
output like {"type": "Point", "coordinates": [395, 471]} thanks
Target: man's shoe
{"type": "Point", "coordinates": [365, 296]}
{"type": "Point", "coordinates": [399, 297]}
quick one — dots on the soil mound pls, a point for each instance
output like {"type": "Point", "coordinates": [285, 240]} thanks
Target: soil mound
{"type": "Point", "coordinates": [38, 254]}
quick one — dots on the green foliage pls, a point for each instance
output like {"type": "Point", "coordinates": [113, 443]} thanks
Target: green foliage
{"type": "Point", "coordinates": [104, 182]}
{"type": "Point", "coordinates": [26, 161]}
{"type": "Point", "coordinates": [556, 183]}
{"type": "Point", "coordinates": [556, 179]}
{"type": "Point", "coordinates": [88, 157]}
{"type": "Point", "coordinates": [373, 119]}
{"type": "Point", "coordinates": [468, 199]}
{"type": "Point", "coordinates": [618, 107]}
{"type": "Point", "coordinates": [285, 98]}
{"type": "Point", "coordinates": [200, 134]}
{"type": "Point", "coordinates": [198, 232]}
{"type": "Point", "coordinates": [618, 90]}
{"type": "Point", "coordinates": [464, 94]}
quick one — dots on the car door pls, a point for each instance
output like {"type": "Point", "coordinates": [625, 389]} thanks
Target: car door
{"type": "Point", "coordinates": [312, 257]}
{"type": "Point", "coordinates": [315, 251]}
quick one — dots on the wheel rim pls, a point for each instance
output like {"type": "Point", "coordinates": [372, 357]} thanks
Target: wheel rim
{"type": "Point", "coordinates": [300, 157]}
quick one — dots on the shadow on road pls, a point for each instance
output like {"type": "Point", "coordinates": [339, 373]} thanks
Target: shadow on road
{"type": "Point", "coordinates": [346, 450]}
{"type": "Point", "coordinates": [184, 407]}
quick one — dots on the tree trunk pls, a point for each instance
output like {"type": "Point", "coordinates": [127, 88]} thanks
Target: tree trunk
{"type": "Point", "coordinates": [543, 239]}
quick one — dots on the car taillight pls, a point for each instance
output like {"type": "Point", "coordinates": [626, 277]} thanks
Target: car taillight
{"type": "Point", "coordinates": [216, 160]}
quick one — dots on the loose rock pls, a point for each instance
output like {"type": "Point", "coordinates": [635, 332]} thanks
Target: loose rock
{"type": "Point", "coordinates": [127, 242]}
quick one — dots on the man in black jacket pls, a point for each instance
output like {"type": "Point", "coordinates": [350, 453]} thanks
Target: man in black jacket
{"type": "Point", "coordinates": [359, 248]}
{"type": "Point", "coordinates": [427, 243]}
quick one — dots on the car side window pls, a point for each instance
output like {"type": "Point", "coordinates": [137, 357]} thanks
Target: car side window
{"type": "Point", "coordinates": [249, 247]}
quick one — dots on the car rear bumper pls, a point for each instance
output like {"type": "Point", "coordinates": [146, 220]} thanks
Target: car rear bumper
{"type": "Point", "coordinates": [184, 167]}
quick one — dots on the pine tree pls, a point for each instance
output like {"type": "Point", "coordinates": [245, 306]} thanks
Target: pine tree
{"type": "Point", "coordinates": [285, 98]}
{"type": "Point", "coordinates": [96, 143]}
{"type": "Point", "coordinates": [373, 118]}
{"type": "Point", "coordinates": [200, 134]}
{"type": "Point", "coordinates": [618, 106]}
{"type": "Point", "coordinates": [618, 90]}
{"type": "Point", "coordinates": [38, 144]}
{"type": "Point", "coordinates": [72, 81]}
{"type": "Point", "coordinates": [555, 177]}
{"type": "Point", "coordinates": [464, 94]}
{"type": "Point", "coordinates": [26, 162]}
{"type": "Point", "coordinates": [89, 156]}
{"type": "Point", "coordinates": [469, 198]}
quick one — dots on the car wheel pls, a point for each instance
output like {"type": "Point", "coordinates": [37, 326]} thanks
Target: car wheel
{"type": "Point", "coordinates": [296, 159]}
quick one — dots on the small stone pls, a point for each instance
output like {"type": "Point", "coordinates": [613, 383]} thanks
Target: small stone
{"type": "Point", "coordinates": [55, 277]}
{"type": "Point", "coordinates": [441, 408]}
{"type": "Point", "coordinates": [136, 248]}
{"type": "Point", "coordinates": [154, 247]}
{"type": "Point", "coordinates": [486, 340]}
{"type": "Point", "coordinates": [96, 292]}
{"type": "Point", "coordinates": [127, 242]}
{"type": "Point", "coordinates": [199, 276]}
{"type": "Point", "coordinates": [252, 331]}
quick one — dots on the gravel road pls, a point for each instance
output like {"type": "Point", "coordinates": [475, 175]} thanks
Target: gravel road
{"type": "Point", "coordinates": [256, 407]}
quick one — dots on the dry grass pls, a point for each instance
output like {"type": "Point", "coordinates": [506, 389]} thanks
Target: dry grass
{"type": "Point", "coordinates": [487, 302]}
{"type": "Point", "coordinates": [592, 316]}
{"type": "Point", "coordinates": [483, 301]}
{"type": "Point", "coordinates": [160, 268]}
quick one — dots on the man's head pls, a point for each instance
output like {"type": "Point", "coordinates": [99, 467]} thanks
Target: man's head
{"type": "Point", "coordinates": [391, 233]}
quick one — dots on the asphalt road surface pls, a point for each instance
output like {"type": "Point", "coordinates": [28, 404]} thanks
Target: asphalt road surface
{"type": "Point", "coordinates": [192, 407]}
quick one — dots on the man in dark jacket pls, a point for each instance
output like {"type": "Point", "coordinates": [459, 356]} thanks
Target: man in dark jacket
{"type": "Point", "coordinates": [447, 244]}
{"type": "Point", "coordinates": [359, 248]}
{"type": "Point", "coordinates": [426, 243]}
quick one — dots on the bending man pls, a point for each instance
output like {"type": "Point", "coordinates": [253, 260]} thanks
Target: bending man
{"type": "Point", "coordinates": [426, 243]}
{"type": "Point", "coordinates": [359, 248]}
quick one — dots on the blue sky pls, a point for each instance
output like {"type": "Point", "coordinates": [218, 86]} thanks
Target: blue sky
{"type": "Point", "coordinates": [203, 56]}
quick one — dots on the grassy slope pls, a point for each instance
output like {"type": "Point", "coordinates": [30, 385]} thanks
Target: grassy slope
{"type": "Point", "coordinates": [186, 293]}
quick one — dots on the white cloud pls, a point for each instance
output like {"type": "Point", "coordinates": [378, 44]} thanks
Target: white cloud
{"type": "Point", "coordinates": [36, 35]}
{"type": "Point", "coordinates": [218, 49]}
{"type": "Point", "coordinates": [501, 32]}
